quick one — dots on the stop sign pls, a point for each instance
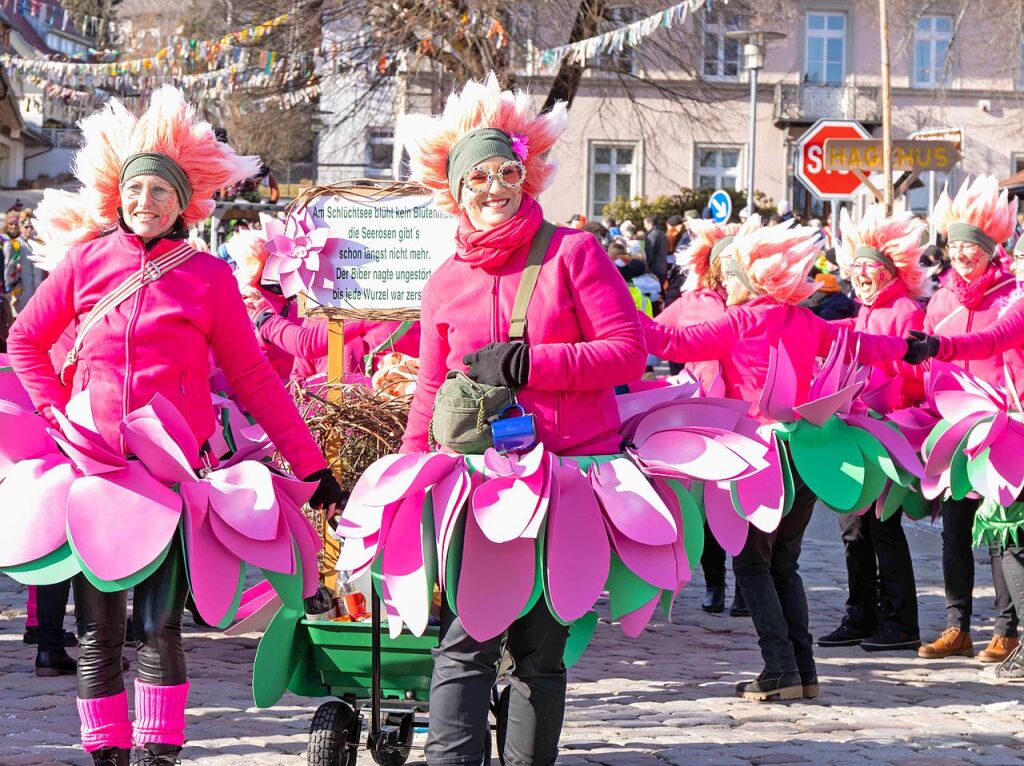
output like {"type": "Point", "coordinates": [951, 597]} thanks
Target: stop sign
{"type": "Point", "coordinates": [810, 159]}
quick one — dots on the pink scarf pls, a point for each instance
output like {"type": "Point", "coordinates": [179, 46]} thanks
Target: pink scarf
{"type": "Point", "coordinates": [971, 293]}
{"type": "Point", "coordinates": [489, 248]}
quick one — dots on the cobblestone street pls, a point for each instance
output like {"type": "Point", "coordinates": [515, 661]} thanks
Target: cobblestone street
{"type": "Point", "coordinates": [664, 698]}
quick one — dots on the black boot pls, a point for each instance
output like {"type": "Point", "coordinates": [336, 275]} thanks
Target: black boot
{"type": "Point", "coordinates": [157, 755]}
{"type": "Point", "coordinates": [847, 634]}
{"type": "Point", "coordinates": [55, 663]}
{"type": "Point", "coordinates": [771, 687]}
{"type": "Point", "coordinates": [714, 599]}
{"type": "Point", "coordinates": [31, 637]}
{"type": "Point", "coordinates": [739, 604]}
{"type": "Point", "coordinates": [809, 681]}
{"type": "Point", "coordinates": [111, 756]}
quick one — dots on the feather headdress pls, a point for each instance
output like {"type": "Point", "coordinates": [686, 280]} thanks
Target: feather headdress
{"type": "Point", "coordinates": [481, 105]}
{"type": "Point", "coordinates": [776, 259]}
{"type": "Point", "coordinates": [899, 237]}
{"type": "Point", "coordinates": [981, 204]}
{"type": "Point", "coordinates": [170, 126]}
{"type": "Point", "coordinates": [696, 257]}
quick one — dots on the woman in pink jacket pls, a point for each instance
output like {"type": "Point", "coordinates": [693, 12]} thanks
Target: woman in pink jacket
{"type": "Point", "coordinates": [485, 158]}
{"type": "Point", "coordinates": [882, 258]}
{"type": "Point", "coordinates": [971, 298]}
{"type": "Point", "coordinates": [144, 180]}
{"type": "Point", "coordinates": [703, 299]}
{"type": "Point", "coordinates": [765, 277]}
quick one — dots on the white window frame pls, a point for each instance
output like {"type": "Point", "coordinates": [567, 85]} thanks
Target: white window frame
{"type": "Point", "coordinates": [941, 72]}
{"type": "Point", "coordinates": [716, 170]}
{"type": "Point", "coordinates": [1016, 162]}
{"type": "Point", "coordinates": [378, 136]}
{"type": "Point", "coordinates": [825, 34]}
{"type": "Point", "coordinates": [717, 21]}
{"type": "Point", "coordinates": [614, 169]}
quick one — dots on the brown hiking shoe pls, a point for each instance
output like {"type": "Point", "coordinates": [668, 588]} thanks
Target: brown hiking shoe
{"type": "Point", "coordinates": [952, 643]}
{"type": "Point", "coordinates": [999, 648]}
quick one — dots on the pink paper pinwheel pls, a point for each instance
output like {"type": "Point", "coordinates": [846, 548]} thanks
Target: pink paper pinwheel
{"type": "Point", "coordinates": [298, 252]}
{"type": "Point", "coordinates": [975, 449]}
{"type": "Point", "coordinates": [237, 513]}
{"type": "Point", "coordinates": [847, 457]}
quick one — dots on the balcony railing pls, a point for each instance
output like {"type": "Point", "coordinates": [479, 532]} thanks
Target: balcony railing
{"type": "Point", "coordinates": [801, 102]}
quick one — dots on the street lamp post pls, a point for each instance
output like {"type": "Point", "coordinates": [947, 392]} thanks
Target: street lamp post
{"type": "Point", "coordinates": [754, 44]}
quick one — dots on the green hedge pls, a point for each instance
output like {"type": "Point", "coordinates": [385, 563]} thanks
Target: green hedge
{"type": "Point", "coordinates": [667, 205]}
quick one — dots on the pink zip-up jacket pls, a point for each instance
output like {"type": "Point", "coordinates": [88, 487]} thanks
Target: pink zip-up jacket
{"type": "Point", "coordinates": [582, 330]}
{"type": "Point", "coordinates": [741, 341]}
{"type": "Point", "coordinates": [694, 307]}
{"type": "Point", "coordinates": [1002, 338]}
{"type": "Point", "coordinates": [158, 341]}
{"type": "Point", "coordinates": [306, 341]}
{"type": "Point", "coordinates": [946, 316]}
{"type": "Point", "coordinates": [894, 313]}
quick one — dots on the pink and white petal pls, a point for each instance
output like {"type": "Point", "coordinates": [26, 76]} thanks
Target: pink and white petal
{"type": "Point", "coordinates": [120, 522]}
{"type": "Point", "coordinates": [695, 455]}
{"type": "Point", "coordinates": [728, 527]}
{"type": "Point", "coordinates": [505, 505]}
{"type": "Point", "coordinates": [23, 436]}
{"type": "Point", "coordinates": [941, 456]}
{"type": "Point", "coordinates": [687, 414]}
{"type": "Point", "coordinates": [33, 508]}
{"type": "Point", "coordinates": [763, 495]}
{"type": "Point", "coordinates": [309, 544]}
{"type": "Point", "coordinates": [631, 503]}
{"type": "Point", "coordinates": [392, 477]}
{"type": "Point", "coordinates": [482, 615]}
{"type": "Point", "coordinates": [578, 551]}
{"type": "Point", "coordinates": [357, 553]}
{"type": "Point", "coordinates": [146, 438]}
{"type": "Point", "coordinates": [894, 442]}
{"type": "Point", "coordinates": [244, 497]}
{"type": "Point", "coordinates": [654, 564]}
{"type": "Point", "coordinates": [778, 396]}
{"type": "Point", "coordinates": [276, 554]}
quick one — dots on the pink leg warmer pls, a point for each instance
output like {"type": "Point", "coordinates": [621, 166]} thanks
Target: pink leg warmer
{"type": "Point", "coordinates": [160, 714]}
{"type": "Point", "coordinates": [32, 621]}
{"type": "Point", "coordinates": [105, 722]}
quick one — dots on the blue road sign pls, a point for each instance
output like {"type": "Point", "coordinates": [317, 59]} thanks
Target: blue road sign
{"type": "Point", "coordinates": [721, 206]}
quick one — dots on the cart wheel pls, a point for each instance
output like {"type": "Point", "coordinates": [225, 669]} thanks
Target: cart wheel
{"type": "Point", "coordinates": [388, 756]}
{"type": "Point", "coordinates": [331, 735]}
{"type": "Point", "coordinates": [501, 721]}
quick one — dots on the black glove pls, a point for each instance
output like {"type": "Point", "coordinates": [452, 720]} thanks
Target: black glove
{"type": "Point", "coordinates": [920, 346]}
{"type": "Point", "coordinates": [500, 364]}
{"type": "Point", "coordinates": [262, 318]}
{"type": "Point", "coordinates": [328, 492]}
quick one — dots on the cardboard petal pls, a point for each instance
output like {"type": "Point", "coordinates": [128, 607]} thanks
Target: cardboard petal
{"type": "Point", "coordinates": [504, 505]}
{"type": "Point", "coordinates": [829, 462]}
{"type": "Point", "coordinates": [146, 438]}
{"type": "Point", "coordinates": [633, 624]}
{"type": "Point", "coordinates": [255, 597]}
{"type": "Point", "coordinates": [728, 527]}
{"type": "Point", "coordinates": [627, 592]}
{"type": "Point", "coordinates": [946, 446]}
{"type": "Point", "coordinates": [274, 554]}
{"type": "Point", "coordinates": [484, 616]}
{"type": "Point", "coordinates": [779, 393]}
{"type": "Point", "coordinates": [692, 525]}
{"type": "Point", "coordinates": [58, 566]}
{"type": "Point", "coordinates": [244, 498]}
{"type": "Point", "coordinates": [690, 413]}
{"type": "Point", "coordinates": [213, 571]}
{"type": "Point", "coordinates": [577, 556]}
{"type": "Point", "coordinates": [128, 505]}
{"type": "Point", "coordinates": [580, 634]}
{"type": "Point", "coordinates": [820, 410]}
{"type": "Point", "coordinates": [33, 509]}
{"type": "Point", "coordinates": [631, 503]}
{"type": "Point", "coordinates": [277, 654]}
{"type": "Point", "coordinates": [693, 455]}
{"type": "Point", "coordinates": [894, 442]}
{"type": "Point", "coordinates": [392, 477]}
{"type": "Point", "coordinates": [640, 402]}
{"type": "Point", "coordinates": [86, 448]}
{"type": "Point", "coordinates": [655, 564]}
{"type": "Point", "coordinates": [23, 436]}
{"type": "Point", "coordinates": [761, 498]}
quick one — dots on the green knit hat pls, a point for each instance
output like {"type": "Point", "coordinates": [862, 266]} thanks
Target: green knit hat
{"type": "Point", "coordinates": [472, 149]}
{"type": "Point", "coordinates": [155, 164]}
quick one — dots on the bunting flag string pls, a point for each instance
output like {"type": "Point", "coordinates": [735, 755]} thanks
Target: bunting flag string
{"type": "Point", "coordinates": [615, 41]}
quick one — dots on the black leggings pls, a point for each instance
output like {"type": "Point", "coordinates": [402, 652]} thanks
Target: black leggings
{"type": "Point", "coordinates": [156, 615]}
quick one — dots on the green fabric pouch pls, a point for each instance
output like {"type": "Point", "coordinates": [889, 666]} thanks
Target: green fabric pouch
{"type": "Point", "coordinates": [463, 408]}
{"type": "Point", "coordinates": [463, 411]}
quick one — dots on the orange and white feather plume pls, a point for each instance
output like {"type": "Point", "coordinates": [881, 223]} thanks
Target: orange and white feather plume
{"type": "Point", "coordinates": [776, 259]}
{"type": "Point", "coordinates": [169, 125]}
{"type": "Point", "coordinates": [696, 257]}
{"type": "Point", "coordinates": [428, 139]}
{"type": "Point", "coordinates": [899, 237]}
{"type": "Point", "coordinates": [979, 203]}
